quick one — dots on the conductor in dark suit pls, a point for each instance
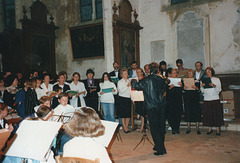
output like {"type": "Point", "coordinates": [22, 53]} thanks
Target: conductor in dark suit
{"type": "Point", "coordinates": [153, 87]}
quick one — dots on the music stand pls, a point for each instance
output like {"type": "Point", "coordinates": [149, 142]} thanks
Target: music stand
{"type": "Point", "coordinates": [144, 137]}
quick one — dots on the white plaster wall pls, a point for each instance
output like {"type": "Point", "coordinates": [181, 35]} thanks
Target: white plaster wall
{"type": "Point", "coordinates": [224, 30]}
{"type": "Point", "coordinates": [156, 26]}
{"type": "Point", "coordinates": [225, 52]}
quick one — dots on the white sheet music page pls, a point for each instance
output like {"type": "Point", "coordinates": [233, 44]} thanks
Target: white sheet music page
{"type": "Point", "coordinates": [110, 128]}
{"type": "Point", "coordinates": [34, 139]}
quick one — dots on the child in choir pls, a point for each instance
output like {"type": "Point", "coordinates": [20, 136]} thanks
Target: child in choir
{"type": "Point", "coordinates": [39, 91]}
{"type": "Point", "coordinates": [44, 101]}
{"type": "Point", "coordinates": [61, 109]}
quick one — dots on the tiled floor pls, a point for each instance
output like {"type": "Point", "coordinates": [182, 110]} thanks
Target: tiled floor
{"type": "Point", "coordinates": [181, 148]}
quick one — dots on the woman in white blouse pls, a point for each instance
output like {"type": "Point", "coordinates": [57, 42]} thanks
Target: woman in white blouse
{"type": "Point", "coordinates": [107, 90]}
{"type": "Point", "coordinates": [124, 88]}
{"type": "Point", "coordinates": [212, 108]}
{"type": "Point", "coordinates": [77, 100]}
{"type": "Point", "coordinates": [46, 86]}
{"type": "Point", "coordinates": [84, 126]}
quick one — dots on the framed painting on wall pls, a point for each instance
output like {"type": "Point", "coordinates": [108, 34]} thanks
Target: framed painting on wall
{"type": "Point", "coordinates": [86, 42]}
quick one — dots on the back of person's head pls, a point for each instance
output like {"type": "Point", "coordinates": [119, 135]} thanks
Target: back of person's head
{"type": "Point", "coordinates": [86, 123]}
{"type": "Point", "coordinates": [56, 88]}
{"type": "Point", "coordinates": [43, 111]}
{"type": "Point", "coordinates": [63, 94]}
{"type": "Point", "coordinates": [43, 99]}
{"type": "Point", "coordinates": [153, 67]}
{"type": "Point", "coordinates": [22, 83]}
{"type": "Point", "coordinates": [9, 80]}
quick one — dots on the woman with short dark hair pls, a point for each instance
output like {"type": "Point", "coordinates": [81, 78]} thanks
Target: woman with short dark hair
{"type": "Point", "coordinates": [212, 108]}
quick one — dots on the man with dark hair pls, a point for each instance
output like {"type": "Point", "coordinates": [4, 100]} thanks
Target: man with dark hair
{"type": "Point", "coordinates": [199, 72]}
{"type": "Point", "coordinates": [181, 72]}
{"type": "Point", "coordinates": [133, 70]}
{"type": "Point", "coordinates": [115, 74]}
{"type": "Point", "coordinates": [153, 87]}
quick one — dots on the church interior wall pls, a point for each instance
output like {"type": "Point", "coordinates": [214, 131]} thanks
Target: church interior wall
{"type": "Point", "coordinates": [221, 33]}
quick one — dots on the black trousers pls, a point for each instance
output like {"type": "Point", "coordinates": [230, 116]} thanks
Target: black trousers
{"type": "Point", "coordinates": [156, 118]}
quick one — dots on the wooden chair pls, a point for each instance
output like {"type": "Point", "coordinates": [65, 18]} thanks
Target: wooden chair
{"type": "Point", "coordinates": [75, 160]}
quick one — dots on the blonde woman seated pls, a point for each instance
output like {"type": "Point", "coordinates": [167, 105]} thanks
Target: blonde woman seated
{"type": "Point", "coordinates": [84, 126]}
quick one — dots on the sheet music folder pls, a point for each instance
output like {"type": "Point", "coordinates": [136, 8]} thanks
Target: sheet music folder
{"type": "Point", "coordinates": [34, 139]}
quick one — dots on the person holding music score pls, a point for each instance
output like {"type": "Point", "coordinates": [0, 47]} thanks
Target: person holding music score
{"type": "Point", "coordinates": [107, 90]}
{"type": "Point", "coordinates": [59, 111]}
{"type": "Point", "coordinates": [77, 100]}
{"type": "Point", "coordinates": [153, 87]}
{"type": "Point", "coordinates": [84, 127]}
{"type": "Point", "coordinates": [191, 97]}
{"type": "Point", "coordinates": [139, 105]}
{"type": "Point", "coordinates": [124, 108]}
{"type": "Point", "coordinates": [174, 104]}
{"type": "Point", "coordinates": [212, 108]}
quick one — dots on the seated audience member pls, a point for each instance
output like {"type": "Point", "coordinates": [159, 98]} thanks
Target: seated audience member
{"type": "Point", "coordinates": [6, 74]}
{"type": "Point", "coordinates": [61, 109]}
{"type": "Point", "coordinates": [192, 107]}
{"type": "Point", "coordinates": [92, 87]}
{"type": "Point", "coordinates": [9, 94]}
{"type": "Point", "coordinates": [124, 108]}
{"type": "Point", "coordinates": [55, 102]}
{"type": "Point", "coordinates": [163, 67]}
{"type": "Point", "coordinates": [147, 70]}
{"type": "Point", "coordinates": [44, 101]}
{"type": "Point", "coordinates": [30, 97]}
{"type": "Point", "coordinates": [46, 86]}
{"type": "Point", "coordinates": [83, 127]}
{"type": "Point", "coordinates": [19, 75]}
{"type": "Point", "coordinates": [35, 74]}
{"type": "Point", "coordinates": [212, 108]}
{"type": "Point", "coordinates": [174, 104]}
{"type": "Point", "coordinates": [39, 90]}
{"type": "Point", "coordinates": [107, 98]}
{"type": "Point", "coordinates": [133, 70]}
{"type": "Point", "coordinates": [2, 87]}
{"type": "Point", "coordinates": [20, 98]}
{"type": "Point", "coordinates": [78, 99]}
{"type": "Point", "coordinates": [181, 72]}
{"type": "Point", "coordinates": [3, 114]}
